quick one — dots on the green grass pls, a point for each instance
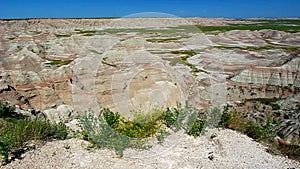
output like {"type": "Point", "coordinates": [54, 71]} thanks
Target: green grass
{"type": "Point", "coordinates": [251, 48]}
{"type": "Point", "coordinates": [59, 62]}
{"type": "Point", "coordinates": [62, 35]}
{"type": "Point", "coordinates": [267, 101]}
{"type": "Point", "coordinates": [280, 25]}
{"type": "Point", "coordinates": [181, 31]}
{"type": "Point", "coordinates": [185, 54]}
{"type": "Point", "coordinates": [17, 130]}
{"type": "Point", "coordinates": [184, 30]}
{"type": "Point", "coordinates": [85, 31]}
{"type": "Point", "coordinates": [162, 40]}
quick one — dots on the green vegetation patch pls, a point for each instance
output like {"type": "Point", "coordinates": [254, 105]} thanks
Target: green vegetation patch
{"type": "Point", "coordinates": [99, 130]}
{"type": "Point", "coordinates": [183, 31]}
{"type": "Point", "coordinates": [63, 35]}
{"type": "Point", "coordinates": [162, 40]}
{"type": "Point", "coordinates": [59, 62]}
{"type": "Point", "coordinates": [187, 53]}
{"type": "Point", "coordinates": [267, 101]}
{"type": "Point", "coordinates": [17, 130]}
{"type": "Point", "coordinates": [6, 110]}
{"type": "Point", "coordinates": [131, 128]}
{"type": "Point", "coordinates": [259, 130]}
{"type": "Point", "coordinates": [292, 26]}
{"type": "Point", "coordinates": [85, 31]}
{"type": "Point", "coordinates": [111, 130]}
{"type": "Point", "coordinates": [183, 60]}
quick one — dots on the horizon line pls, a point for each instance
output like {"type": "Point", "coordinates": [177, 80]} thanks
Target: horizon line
{"type": "Point", "coordinates": [32, 18]}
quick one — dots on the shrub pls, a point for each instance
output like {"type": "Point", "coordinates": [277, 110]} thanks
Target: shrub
{"type": "Point", "coordinates": [187, 118]}
{"type": "Point", "coordinates": [111, 130]}
{"type": "Point", "coordinates": [197, 127]}
{"type": "Point", "coordinates": [254, 130]}
{"type": "Point", "coordinates": [214, 116]}
{"type": "Point", "coordinates": [161, 136]}
{"type": "Point", "coordinates": [131, 128]}
{"type": "Point", "coordinates": [170, 117]}
{"type": "Point", "coordinates": [99, 131]}
{"type": "Point", "coordinates": [179, 118]}
{"type": "Point", "coordinates": [225, 120]}
{"type": "Point", "coordinates": [292, 151]}
{"type": "Point", "coordinates": [111, 118]}
{"type": "Point", "coordinates": [6, 110]}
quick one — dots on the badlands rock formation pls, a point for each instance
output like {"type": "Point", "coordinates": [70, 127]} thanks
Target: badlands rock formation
{"type": "Point", "coordinates": [134, 63]}
{"type": "Point", "coordinates": [59, 68]}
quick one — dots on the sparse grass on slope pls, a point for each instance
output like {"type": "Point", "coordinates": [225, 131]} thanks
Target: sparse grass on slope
{"type": "Point", "coordinates": [16, 131]}
{"type": "Point", "coordinates": [262, 131]}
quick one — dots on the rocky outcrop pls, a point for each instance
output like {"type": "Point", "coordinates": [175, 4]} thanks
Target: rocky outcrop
{"type": "Point", "coordinates": [38, 91]}
{"type": "Point", "coordinates": [289, 112]}
{"type": "Point", "coordinates": [63, 113]}
{"type": "Point", "coordinates": [241, 38]}
{"type": "Point", "coordinates": [280, 37]}
{"type": "Point", "coordinates": [286, 75]}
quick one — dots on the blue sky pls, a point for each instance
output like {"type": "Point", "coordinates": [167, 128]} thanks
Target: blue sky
{"type": "Point", "coordinates": [120, 8]}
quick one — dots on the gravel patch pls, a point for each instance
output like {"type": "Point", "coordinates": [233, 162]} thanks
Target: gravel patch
{"type": "Point", "coordinates": [229, 149]}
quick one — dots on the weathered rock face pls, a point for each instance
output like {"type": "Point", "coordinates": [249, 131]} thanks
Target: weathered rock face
{"type": "Point", "coordinates": [239, 38]}
{"type": "Point", "coordinates": [38, 90]}
{"type": "Point", "coordinates": [138, 81]}
{"type": "Point", "coordinates": [286, 75]}
{"type": "Point", "coordinates": [63, 113]}
{"type": "Point", "coordinates": [244, 38]}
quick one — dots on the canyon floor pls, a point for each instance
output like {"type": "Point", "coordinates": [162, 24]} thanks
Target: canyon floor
{"type": "Point", "coordinates": [63, 67]}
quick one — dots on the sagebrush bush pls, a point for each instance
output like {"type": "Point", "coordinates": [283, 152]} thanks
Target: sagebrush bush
{"type": "Point", "coordinates": [214, 116]}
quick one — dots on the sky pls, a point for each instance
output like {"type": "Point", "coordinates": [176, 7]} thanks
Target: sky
{"type": "Point", "coordinates": [12, 9]}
